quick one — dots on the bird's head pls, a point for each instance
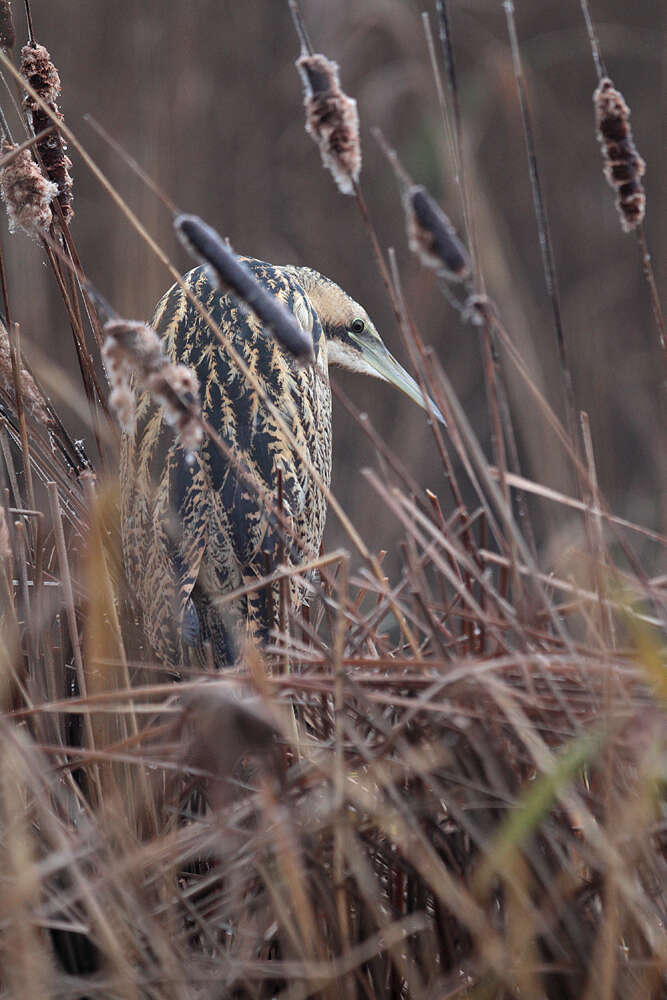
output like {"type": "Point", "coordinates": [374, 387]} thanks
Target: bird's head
{"type": "Point", "coordinates": [352, 340]}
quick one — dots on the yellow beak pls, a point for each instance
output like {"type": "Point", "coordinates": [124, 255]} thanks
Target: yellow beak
{"type": "Point", "coordinates": [386, 367]}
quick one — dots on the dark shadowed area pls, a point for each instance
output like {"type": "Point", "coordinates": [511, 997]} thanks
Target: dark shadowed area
{"type": "Point", "coordinates": [205, 96]}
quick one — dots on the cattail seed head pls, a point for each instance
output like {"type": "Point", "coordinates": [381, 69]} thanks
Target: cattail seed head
{"type": "Point", "coordinates": [230, 274]}
{"type": "Point", "coordinates": [432, 236]}
{"type": "Point", "coordinates": [40, 72]}
{"type": "Point", "coordinates": [7, 33]}
{"type": "Point", "coordinates": [122, 402]}
{"type": "Point", "coordinates": [133, 351]}
{"type": "Point", "coordinates": [176, 388]}
{"type": "Point", "coordinates": [38, 69]}
{"type": "Point", "coordinates": [26, 192]}
{"type": "Point", "coordinates": [623, 166]}
{"type": "Point", "coordinates": [332, 120]}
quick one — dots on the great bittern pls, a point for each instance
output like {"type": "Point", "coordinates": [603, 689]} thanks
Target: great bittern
{"type": "Point", "coordinates": [194, 528]}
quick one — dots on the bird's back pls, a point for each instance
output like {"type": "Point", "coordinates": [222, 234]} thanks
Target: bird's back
{"type": "Point", "coordinates": [196, 529]}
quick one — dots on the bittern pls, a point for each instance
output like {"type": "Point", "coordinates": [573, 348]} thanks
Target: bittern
{"type": "Point", "coordinates": [197, 527]}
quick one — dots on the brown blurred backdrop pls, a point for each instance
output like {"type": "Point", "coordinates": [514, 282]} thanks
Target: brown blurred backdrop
{"type": "Point", "coordinates": [204, 94]}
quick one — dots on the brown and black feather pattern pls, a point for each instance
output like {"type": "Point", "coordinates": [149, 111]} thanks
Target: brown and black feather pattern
{"type": "Point", "coordinates": [193, 527]}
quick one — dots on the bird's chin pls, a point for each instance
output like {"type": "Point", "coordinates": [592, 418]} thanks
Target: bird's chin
{"type": "Point", "coordinates": [351, 358]}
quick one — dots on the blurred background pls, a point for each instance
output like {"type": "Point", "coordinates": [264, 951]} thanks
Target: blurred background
{"type": "Point", "coordinates": [205, 96]}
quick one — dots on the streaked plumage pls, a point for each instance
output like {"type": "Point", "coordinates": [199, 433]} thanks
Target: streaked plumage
{"type": "Point", "coordinates": [194, 529]}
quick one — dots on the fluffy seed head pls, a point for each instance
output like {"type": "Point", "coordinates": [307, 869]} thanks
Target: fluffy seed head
{"type": "Point", "coordinates": [26, 192]}
{"type": "Point", "coordinates": [623, 166]}
{"type": "Point", "coordinates": [38, 69]}
{"type": "Point", "coordinates": [432, 236]}
{"type": "Point", "coordinates": [176, 388]}
{"type": "Point", "coordinates": [332, 120]}
{"type": "Point", "coordinates": [122, 402]}
{"type": "Point", "coordinates": [132, 352]}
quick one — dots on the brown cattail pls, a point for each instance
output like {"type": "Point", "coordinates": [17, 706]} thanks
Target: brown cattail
{"type": "Point", "coordinates": [432, 236]}
{"type": "Point", "coordinates": [43, 77]}
{"type": "Point", "coordinates": [623, 166]}
{"type": "Point", "coordinates": [133, 350]}
{"type": "Point", "coordinates": [176, 388]}
{"type": "Point", "coordinates": [331, 119]}
{"type": "Point", "coordinates": [7, 33]}
{"type": "Point", "coordinates": [26, 192]}
{"type": "Point", "coordinates": [32, 397]}
{"type": "Point", "coordinates": [230, 273]}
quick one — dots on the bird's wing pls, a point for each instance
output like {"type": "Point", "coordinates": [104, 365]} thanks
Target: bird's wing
{"type": "Point", "coordinates": [210, 519]}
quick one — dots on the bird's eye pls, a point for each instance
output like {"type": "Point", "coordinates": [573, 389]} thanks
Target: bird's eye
{"type": "Point", "coordinates": [358, 326]}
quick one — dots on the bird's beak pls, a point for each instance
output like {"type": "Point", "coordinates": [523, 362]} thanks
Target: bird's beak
{"type": "Point", "coordinates": [385, 366]}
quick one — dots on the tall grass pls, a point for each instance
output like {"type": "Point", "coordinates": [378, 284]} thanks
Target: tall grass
{"type": "Point", "coordinates": [446, 781]}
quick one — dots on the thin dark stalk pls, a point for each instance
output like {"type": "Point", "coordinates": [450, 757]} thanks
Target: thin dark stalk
{"type": "Point", "coordinates": [653, 289]}
{"type": "Point", "coordinates": [300, 27]}
{"type": "Point", "coordinates": [377, 252]}
{"type": "Point", "coordinates": [88, 374]}
{"type": "Point", "coordinates": [546, 247]}
{"type": "Point", "coordinates": [28, 17]}
{"type": "Point", "coordinates": [5, 290]}
{"type": "Point", "coordinates": [515, 465]}
{"type": "Point", "coordinates": [446, 125]}
{"type": "Point", "coordinates": [457, 131]}
{"type": "Point", "coordinates": [600, 68]}
{"type": "Point", "coordinates": [489, 349]}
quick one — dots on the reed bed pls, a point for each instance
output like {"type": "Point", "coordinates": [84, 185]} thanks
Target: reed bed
{"type": "Point", "coordinates": [446, 781]}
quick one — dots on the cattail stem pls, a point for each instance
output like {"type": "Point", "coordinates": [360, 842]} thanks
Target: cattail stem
{"type": "Point", "coordinates": [300, 27]}
{"type": "Point", "coordinates": [28, 17]}
{"type": "Point", "coordinates": [593, 39]}
{"type": "Point", "coordinates": [457, 132]}
{"type": "Point", "coordinates": [653, 290]}
{"type": "Point", "coordinates": [546, 246]}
